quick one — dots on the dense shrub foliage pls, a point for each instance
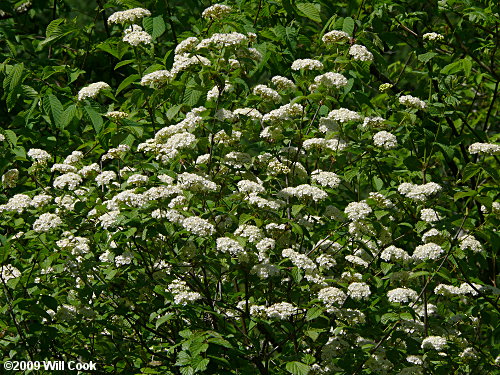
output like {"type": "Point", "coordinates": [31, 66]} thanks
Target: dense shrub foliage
{"type": "Point", "coordinates": [255, 187]}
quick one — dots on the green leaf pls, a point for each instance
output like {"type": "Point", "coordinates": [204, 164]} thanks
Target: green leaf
{"type": "Point", "coordinates": [426, 56]}
{"type": "Point", "coordinates": [11, 137]}
{"type": "Point", "coordinates": [310, 10]}
{"type": "Point", "coordinates": [13, 78]}
{"type": "Point", "coordinates": [126, 82]}
{"type": "Point", "coordinates": [154, 26]}
{"type": "Point", "coordinates": [348, 25]}
{"type": "Point", "coordinates": [313, 313]}
{"type": "Point", "coordinates": [297, 368]}
{"type": "Point", "coordinates": [469, 171]}
{"type": "Point", "coordinates": [164, 319]}
{"type": "Point", "coordinates": [94, 117]}
{"type": "Point", "coordinates": [68, 115]}
{"type": "Point", "coordinates": [54, 109]}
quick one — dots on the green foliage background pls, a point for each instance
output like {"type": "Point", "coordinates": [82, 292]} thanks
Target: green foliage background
{"type": "Point", "coordinates": [52, 49]}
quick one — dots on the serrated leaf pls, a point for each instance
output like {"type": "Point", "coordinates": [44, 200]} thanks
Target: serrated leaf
{"type": "Point", "coordinates": [173, 111]}
{"type": "Point", "coordinates": [163, 319]}
{"type": "Point", "coordinates": [54, 109]}
{"type": "Point", "coordinates": [348, 25]}
{"type": "Point", "coordinates": [425, 57]}
{"type": "Point", "coordinates": [154, 26]}
{"type": "Point", "coordinates": [313, 313]}
{"type": "Point", "coordinates": [297, 368]}
{"type": "Point", "coordinates": [68, 115]}
{"type": "Point", "coordinates": [94, 117]}
{"type": "Point", "coordinates": [389, 317]}
{"type": "Point", "coordinates": [191, 96]}
{"type": "Point", "coordinates": [126, 82]}
{"type": "Point", "coordinates": [310, 10]}
{"type": "Point", "coordinates": [11, 137]}
{"type": "Point", "coordinates": [469, 171]}
{"type": "Point", "coordinates": [463, 194]}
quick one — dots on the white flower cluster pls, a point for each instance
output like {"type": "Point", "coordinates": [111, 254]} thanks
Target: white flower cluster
{"type": "Point", "coordinates": [247, 186]}
{"type": "Point", "coordinates": [198, 226]}
{"type": "Point", "coordinates": [40, 156]}
{"type": "Point", "coordinates": [385, 140]}
{"type": "Point", "coordinates": [250, 112]}
{"type": "Point", "coordinates": [484, 148]}
{"type": "Point", "coordinates": [429, 215]}
{"type": "Point", "coordinates": [46, 222]}
{"type": "Point", "coordinates": [432, 36]}
{"type": "Point", "coordinates": [134, 35]}
{"type": "Point", "coordinates": [187, 45]}
{"type": "Point", "coordinates": [412, 102]}
{"type": "Point", "coordinates": [371, 122]}
{"type": "Point", "coordinates": [356, 211]}
{"type": "Point", "coordinates": [220, 40]}
{"type": "Point", "coordinates": [9, 272]}
{"type": "Point", "coordinates": [327, 179]}
{"type": "Point", "coordinates": [361, 53]}
{"type": "Point", "coordinates": [216, 11]}
{"type": "Point", "coordinates": [419, 192]}
{"type": "Point", "coordinates": [343, 115]}
{"type": "Point", "coordinates": [266, 93]}
{"type": "Point", "coordinates": [402, 295]}
{"type": "Point", "coordinates": [105, 178]}
{"type": "Point", "coordinates": [157, 78]}
{"type": "Point", "coordinates": [469, 242]}
{"type": "Point", "coordinates": [194, 182]}
{"type": "Point", "coordinates": [393, 253]}
{"type": "Point", "coordinates": [434, 342]}
{"type": "Point", "coordinates": [304, 191]}
{"type": "Point", "coordinates": [463, 289]}
{"type": "Point", "coordinates": [331, 296]}
{"type": "Point", "coordinates": [9, 178]}
{"type": "Point", "coordinates": [299, 260]}
{"type": "Point", "coordinates": [358, 290]}
{"type": "Point", "coordinates": [228, 245]}
{"type": "Point", "coordinates": [282, 310]}
{"type": "Point", "coordinates": [307, 64]}
{"type": "Point", "coordinates": [130, 15]}
{"type": "Point", "coordinates": [283, 83]}
{"type": "Point", "coordinates": [285, 112]}
{"type": "Point", "coordinates": [70, 180]}
{"type": "Point", "coordinates": [329, 79]}
{"type": "Point", "coordinates": [334, 36]}
{"type": "Point", "coordinates": [429, 251]}
{"type": "Point", "coordinates": [252, 232]}
{"type": "Point", "coordinates": [182, 293]}
{"type": "Point", "coordinates": [92, 90]}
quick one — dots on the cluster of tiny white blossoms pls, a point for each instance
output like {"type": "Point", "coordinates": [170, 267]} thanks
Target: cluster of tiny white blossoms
{"type": "Point", "coordinates": [484, 148]}
{"type": "Point", "coordinates": [361, 53]}
{"type": "Point", "coordinates": [182, 293]}
{"type": "Point", "coordinates": [357, 210]}
{"type": "Point", "coordinates": [385, 140]}
{"type": "Point", "coordinates": [432, 36]}
{"type": "Point", "coordinates": [307, 64]}
{"type": "Point", "coordinates": [135, 35]}
{"type": "Point", "coordinates": [129, 16]}
{"type": "Point", "coordinates": [92, 90]}
{"type": "Point", "coordinates": [216, 11]}
{"type": "Point", "coordinates": [412, 102]}
{"type": "Point", "coordinates": [419, 192]}
{"type": "Point", "coordinates": [334, 36]}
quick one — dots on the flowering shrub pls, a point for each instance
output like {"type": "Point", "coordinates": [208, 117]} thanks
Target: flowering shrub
{"type": "Point", "coordinates": [252, 188]}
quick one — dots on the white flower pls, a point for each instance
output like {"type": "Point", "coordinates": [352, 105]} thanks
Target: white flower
{"type": "Point", "coordinates": [358, 290]}
{"type": "Point", "coordinates": [194, 182]}
{"type": "Point", "coordinates": [92, 90]}
{"type": "Point", "coordinates": [429, 215]}
{"type": "Point", "coordinates": [402, 295]}
{"type": "Point", "coordinates": [371, 122]}
{"type": "Point", "coordinates": [361, 53]}
{"type": "Point", "coordinates": [307, 64]}
{"type": "Point", "coordinates": [253, 233]}
{"type": "Point", "coordinates": [187, 45]}
{"type": "Point", "coordinates": [40, 156]}
{"type": "Point", "coordinates": [432, 36]}
{"type": "Point", "coordinates": [282, 83]}
{"type": "Point", "coordinates": [9, 272]}
{"type": "Point", "coordinates": [332, 296]}
{"type": "Point", "coordinates": [266, 93]}
{"type": "Point", "coordinates": [484, 148]}
{"type": "Point", "coordinates": [419, 192]}
{"type": "Point", "coordinates": [357, 210]}
{"type": "Point", "coordinates": [247, 186]}
{"type": "Point", "coordinates": [182, 293]}
{"type": "Point", "coordinates": [469, 242]}
{"type": "Point", "coordinates": [46, 222]}
{"type": "Point", "coordinates": [330, 79]}
{"type": "Point", "coordinates": [157, 78]}
{"type": "Point", "coordinates": [385, 140]}
{"type": "Point", "coordinates": [434, 342]}
{"type": "Point", "coordinates": [9, 178]}
{"type": "Point", "coordinates": [429, 251]}
{"type": "Point", "coordinates": [70, 180]}
{"type": "Point", "coordinates": [282, 310]}
{"type": "Point", "coordinates": [334, 36]}
{"type": "Point", "coordinates": [220, 40]}
{"type": "Point", "coordinates": [299, 260]}
{"type": "Point", "coordinates": [228, 245]}
{"type": "Point", "coordinates": [216, 11]}
{"type": "Point", "coordinates": [130, 15]}
{"type": "Point", "coordinates": [327, 179]}
{"type": "Point", "coordinates": [105, 178]}
{"type": "Point", "coordinates": [285, 112]}
{"type": "Point", "coordinates": [343, 115]}
{"type": "Point", "coordinates": [393, 253]}
{"type": "Point", "coordinates": [412, 102]}
{"type": "Point", "coordinates": [250, 112]}
{"type": "Point", "coordinates": [134, 35]}
{"type": "Point", "coordinates": [198, 226]}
